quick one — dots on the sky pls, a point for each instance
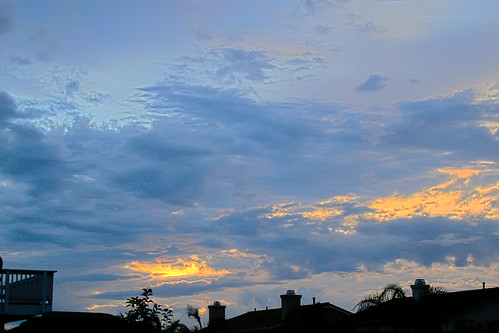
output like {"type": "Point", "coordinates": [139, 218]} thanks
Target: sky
{"type": "Point", "coordinates": [232, 150]}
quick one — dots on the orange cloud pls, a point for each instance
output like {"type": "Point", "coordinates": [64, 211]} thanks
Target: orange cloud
{"type": "Point", "coordinates": [309, 211]}
{"type": "Point", "coordinates": [345, 198]}
{"type": "Point", "coordinates": [179, 269]}
{"type": "Point", "coordinates": [431, 204]}
{"type": "Point", "coordinates": [460, 173]}
{"type": "Point", "coordinates": [455, 199]}
{"type": "Point", "coordinates": [99, 306]}
{"type": "Point", "coordinates": [322, 214]}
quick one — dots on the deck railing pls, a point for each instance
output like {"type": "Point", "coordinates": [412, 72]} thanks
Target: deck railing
{"type": "Point", "coordinates": [25, 292]}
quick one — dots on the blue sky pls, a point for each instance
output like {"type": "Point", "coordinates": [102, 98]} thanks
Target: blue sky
{"type": "Point", "coordinates": [231, 150]}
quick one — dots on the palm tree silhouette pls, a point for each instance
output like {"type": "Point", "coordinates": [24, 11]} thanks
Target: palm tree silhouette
{"type": "Point", "coordinates": [391, 291]}
{"type": "Point", "coordinates": [194, 313]}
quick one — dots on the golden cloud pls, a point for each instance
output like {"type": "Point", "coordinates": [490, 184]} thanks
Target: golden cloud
{"type": "Point", "coordinates": [100, 306]}
{"type": "Point", "coordinates": [462, 196]}
{"type": "Point", "coordinates": [322, 214]}
{"type": "Point", "coordinates": [179, 269]}
{"type": "Point", "coordinates": [492, 126]}
{"type": "Point", "coordinates": [460, 173]}
{"type": "Point", "coordinates": [454, 199]}
{"type": "Point", "coordinates": [310, 211]}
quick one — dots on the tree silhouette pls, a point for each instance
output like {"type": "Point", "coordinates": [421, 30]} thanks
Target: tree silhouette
{"type": "Point", "coordinates": [177, 327]}
{"type": "Point", "coordinates": [436, 290]}
{"type": "Point", "coordinates": [194, 313]}
{"type": "Point", "coordinates": [144, 312]}
{"type": "Point", "coordinates": [391, 291]}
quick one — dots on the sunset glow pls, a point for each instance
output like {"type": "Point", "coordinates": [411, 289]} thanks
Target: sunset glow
{"type": "Point", "coordinates": [441, 200]}
{"type": "Point", "coordinates": [179, 269]}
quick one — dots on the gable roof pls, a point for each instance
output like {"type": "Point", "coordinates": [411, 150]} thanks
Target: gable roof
{"type": "Point", "coordinates": [270, 319]}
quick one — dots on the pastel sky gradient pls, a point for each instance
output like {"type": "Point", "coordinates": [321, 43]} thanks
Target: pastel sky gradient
{"type": "Point", "coordinates": [231, 150]}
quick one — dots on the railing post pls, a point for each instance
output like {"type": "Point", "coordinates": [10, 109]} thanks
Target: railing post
{"type": "Point", "coordinates": [25, 292]}
{"type": "Point", "coordinates": [44, 292]}
{"type": "Point", "coordinates": [7, 282]}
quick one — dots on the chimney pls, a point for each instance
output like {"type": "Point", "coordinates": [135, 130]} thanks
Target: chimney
{"type": "Point", "coordinates": [419, 289]}
{"type": "Point", "coordinates": [216, 313]}
{"type": "Point", "coordinates": [289, 301]}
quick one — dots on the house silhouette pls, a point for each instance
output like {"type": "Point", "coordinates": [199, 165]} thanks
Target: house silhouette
{"type": "Point", "coordinates": [290, 317]}
{"type": "Point", "coordinates": [470, 311]}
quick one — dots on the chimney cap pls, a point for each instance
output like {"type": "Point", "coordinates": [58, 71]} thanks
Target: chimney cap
{"type": "Point", "coordinates": [290, 292]}
{"type": "Point", "coordinates": [420, 282]}
{"type": "Point", "coordinates": [216, 303]}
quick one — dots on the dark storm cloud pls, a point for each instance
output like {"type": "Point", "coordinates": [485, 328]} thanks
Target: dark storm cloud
{"type": "Point", "coordinates": [373, 83]}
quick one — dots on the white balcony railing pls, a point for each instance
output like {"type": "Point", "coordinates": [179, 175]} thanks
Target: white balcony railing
{"type": "Point", "coordinates": [25, 292]}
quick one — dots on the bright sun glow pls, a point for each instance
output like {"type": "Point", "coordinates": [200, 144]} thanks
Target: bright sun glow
{"type": "Point", "coordinates": [179, 269]}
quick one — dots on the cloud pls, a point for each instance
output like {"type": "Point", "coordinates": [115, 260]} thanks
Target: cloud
{"type": "Point", "coordinates": [5, 18]}
{"type": "Point", "coordinates": [313, 5]}
{"type": "Point", "coordinates": [373, 83]}
{"type": "Point", "coordinates": [455, 199]}
{"type": "Point", "coordinates": [8, 110]}
{"type": "Point", "coordinates": [248, 64]}
{"type": "Point", "coordinates": [269, 193]}
{"type": "Point", "coordinates": [446, 124]}
{"type": "Point", "coordinates": [179, 269]}
{"type": "Point", "coordinates": [202, 36]}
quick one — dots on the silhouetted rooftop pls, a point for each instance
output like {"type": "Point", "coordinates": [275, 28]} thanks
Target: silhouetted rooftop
{"type": "Point", "coordinates": [264, 320]}
{"type": "Point", "coordinates": [432, 309]}
{"type": "Point", "coordinates": [77, 322]}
